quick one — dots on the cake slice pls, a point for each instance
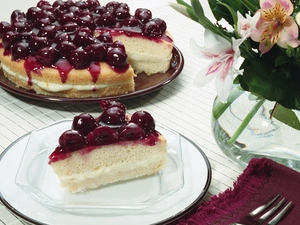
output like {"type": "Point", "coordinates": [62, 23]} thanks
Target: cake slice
{"type": "Point", "coordinates": [111, 148]}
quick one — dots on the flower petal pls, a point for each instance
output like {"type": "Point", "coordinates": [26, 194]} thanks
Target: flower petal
{"type": "Point", "coordinates": [289, 34]}
{"type": "Point", "coordinates": [203, 78]}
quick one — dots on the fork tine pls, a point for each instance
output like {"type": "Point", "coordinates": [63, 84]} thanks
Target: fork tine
{"type": "Point", "coordinates": [271, 211]}
{"type": "Point", "coordinates": [257, 211]}
{"type": "Point", "coordinates": [278, 217]}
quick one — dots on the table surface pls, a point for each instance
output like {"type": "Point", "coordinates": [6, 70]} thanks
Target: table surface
{"type": "Point", "coordinates": [179, 105]}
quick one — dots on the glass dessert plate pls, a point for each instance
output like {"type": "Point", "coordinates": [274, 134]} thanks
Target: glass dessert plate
{"type": "Point", "coordinates": [158, 198]}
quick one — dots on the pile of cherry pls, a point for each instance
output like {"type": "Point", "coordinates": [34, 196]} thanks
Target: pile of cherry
{"type": "Point", "coordinates": [65, 29]}
{"type": "Point", "coordinates": [112, 126]}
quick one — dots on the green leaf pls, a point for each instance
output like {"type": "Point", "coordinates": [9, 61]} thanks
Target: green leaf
{"type": "Point", "coordinates": [287, 116]}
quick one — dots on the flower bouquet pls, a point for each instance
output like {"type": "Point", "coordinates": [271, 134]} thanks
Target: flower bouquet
{"type": "Point", "coordinates": [254, 47]}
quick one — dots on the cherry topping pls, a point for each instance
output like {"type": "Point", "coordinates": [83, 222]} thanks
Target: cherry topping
{"type": "Point", "coordinates": [152, 29]}
{"type": "Point", "coordinates": [48, 31]}
{"type": "Point", "coordinates": [4, 27]}
{"type": "Point", "coordinates": [20, 50]}
{"type": "Point", "coordinates": [71, 140]}
{"type": "Point", "coordinates": [21, 26]}
{"type": "Point", "coordinates": [17, 15]}
{"type": "Point", "coordinates": [113, 116]}
{"type": "Point", "coordinates": [79, 58]}
{"type": "Point", "coordinates": [33, 13]}
{"type": "Point", "coordinates": [142, 14]}
{"type": "Point", "coordinates": [105, 104]}
{"type": "Point", "coordinates": [64, 48]}
{"type": "Point", "coordinates": [144, 120]}
{"type": "Point", "coordinates": [84, 123]}
{"type": "Point", "coordinates": [43, 4]}
{"type": "Point", "coordinates": [47, 56]}
{"type": "Point", "coordinates": [67, 17]}
{"type": "Point", "coordinates": [111, 6]}
{"type": "Point", "coordinates": [121, 13]}
{"type": "Point", "coordinates": [117, 57]}
{"type": "Point", "coordinates": [92, 4]}
{"type": "Point", "coordinates": [102, 136]}
{"type": "Point", "coordinates": [105, 37]}
{"type": "Point", "coordinates": [130, 132]}
{"type": "Point", "coordinates": [69, 27]}
{"type": "Point", "coordinates": [9, 38]}
{"type": "Point", "coordinates": [118, 44]}
{"type": "Point", "coordinates": [97, 52]}
{"type": "Point", "coordinates": [37, 43]}
{"type": "Point", "coordinates": [61, 37]}
{"type": "Point", "coordinates": [105, 20]}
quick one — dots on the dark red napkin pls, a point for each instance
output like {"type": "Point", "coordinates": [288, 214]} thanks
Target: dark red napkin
{"type": "Point", "coordinates": [261, 180]}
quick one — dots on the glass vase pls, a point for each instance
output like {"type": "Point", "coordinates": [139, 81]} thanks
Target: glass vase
{"type": "Point", "coordinates": [246, 127]}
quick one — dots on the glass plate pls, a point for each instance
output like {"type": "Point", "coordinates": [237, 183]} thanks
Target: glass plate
{"type": "Point", "coordinates": [196, 174]}
{"type": "Point", "coordinates": [144, 84]}
{"type": "Point", "coordinates": [37, 179]}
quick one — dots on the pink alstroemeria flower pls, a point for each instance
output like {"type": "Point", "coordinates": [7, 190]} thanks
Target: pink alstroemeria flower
{"type": "Point", "coordinates": [224, 56]}
{"type": "Point", "coordinates": [275, 25]}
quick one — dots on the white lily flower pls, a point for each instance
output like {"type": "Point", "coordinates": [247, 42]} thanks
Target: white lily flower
{"type": "Point", "coordinates": [245, 26]}
{"type": "Point", "coordinates": [224, 56]}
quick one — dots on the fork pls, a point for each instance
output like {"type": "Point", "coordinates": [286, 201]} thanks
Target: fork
{"type": "Point", "coordinates": [267, 214]}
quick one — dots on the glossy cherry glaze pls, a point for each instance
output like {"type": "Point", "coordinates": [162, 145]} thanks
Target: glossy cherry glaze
{"type": "Point", "coordinates": [113, 126]}
{"type": "Point", "coordinates": [77, 33]}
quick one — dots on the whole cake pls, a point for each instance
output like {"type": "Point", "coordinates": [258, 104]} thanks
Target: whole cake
{"type": "Point", "coordinates": [112, 147]}
{"type": "Point", "coordinates": [80, 49]}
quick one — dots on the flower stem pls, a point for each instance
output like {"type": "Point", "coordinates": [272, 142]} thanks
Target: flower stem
{"type": "Point", "coordinates": [219, 108]}
{"type": "Point", "coordinates": [246, 121]}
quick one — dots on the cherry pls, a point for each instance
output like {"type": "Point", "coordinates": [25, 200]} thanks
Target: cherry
{"type": "Point", "coordinates": [69, 27]}
{"type": "Point", "coordinates": [74, 9]}
{"type": "Point", "coordinates": [16, 15]}
{"type": "Point", "coordinates": [117, 57]}
{"type": "Point", "coordinates": [4, 27]}
{"type": "Point", "coordinates": [152, 29]}
{"type": "Point", "coordinates": [64, 48]}
{"type": "Point", "coordinates": [118, 44]}
{"type": "Point", "coordinates": [99, 10]}
{"type": "Point", "coordinates": [132, 22]}
{"type": "Point", "coordinates": [79, 58]}
{"type": "Point", "coordinates": [37, 43]}
{"type": "Point", "coordinates": [144, 120]}
{"type": "Point", "coordinates": [105, 37]}
{"type": "Point", "coordinates": [83, 38]}
{"type": "Point", "coordinates": [26, 35]}
{"type": "Point", "coordinates": [33, 13]}
{"type": "Point", "coordinates": [59, 4]}
{"type": "Point", "coordinates": [42, 22]}
{"type": "Point", "coordinates": [9, 38]}
{"type": "Point", "coordinates": [102, 136]}
{"type": "Point", "coordinates": [47, 56]}
{"type": "Point", "coordinates": [84, 123]}
{"type": "Point", "coordinates": [161, 23]}
{"type": "Point", "coordinates": [67, 17]}
{"type": "Point", "coordinates": [105, 20]}
{"type": "Point", "coordinates": [20, 50]}
{"type": "Point", "coordinates": [113, 116]}
{"type": "Point", "coordinates": [142, 14]}
{"type": "Point", "coordinates": [97, 52]}
{"type": "Point", "coordinates": [71, 140]}
{"type": "Point", "coordinates": [105, 104]}
{"type": "Point", "coordinates": [61, 37]}
{"type": "Point", "coordinates": [130, 132]}
{"type": "Point", "coordinates": [92, 4]}
{"type": "Point", "coordinates": [86, 21]}
{"type": "Point", "coordinates": [111, 6]}
{"type": "Point", "coordinates": [48, 31]}
{"type": "Point", "coordinates": [121, 13]}
{"type": "Point", "coordinates": [21, 26]}
{"type": "Point", "coordinates": [43, 4]}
